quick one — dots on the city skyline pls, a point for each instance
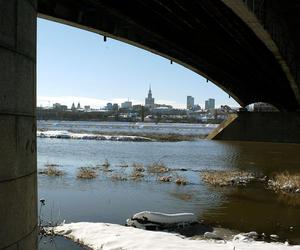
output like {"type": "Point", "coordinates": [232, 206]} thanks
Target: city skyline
{"type": "Point", "coordinates": [77, 66]}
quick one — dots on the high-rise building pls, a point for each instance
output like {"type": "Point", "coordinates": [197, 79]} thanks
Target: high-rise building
{"type": "Point", "coordinates": [126, 105]}
{"type": "Point", "coordinates": [115, 107]}
{"type": "Point", "coordinates": [109, 106]}
{"type": "Point", "coordinates": [210, 104]}
{"type": "Point", "coordinates": [149, 101]}
{"type": "Point", "coordinates": [190, 102]}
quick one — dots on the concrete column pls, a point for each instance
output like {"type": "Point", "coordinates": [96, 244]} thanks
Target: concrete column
{"type": "Point", "coordinates": [18, 179]}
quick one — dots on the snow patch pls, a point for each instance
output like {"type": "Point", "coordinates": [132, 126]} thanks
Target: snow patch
{"type": "Point", "coordinates": [111, 236]}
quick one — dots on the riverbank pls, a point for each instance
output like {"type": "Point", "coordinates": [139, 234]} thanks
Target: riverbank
{"type": "Point", "coordinates": [112, 236]}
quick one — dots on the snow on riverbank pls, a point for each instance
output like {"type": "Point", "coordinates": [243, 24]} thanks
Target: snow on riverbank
{"type": "Point", "coordinates": [112, 236]}
{"type": "Point", "coordinates": [62, 134]}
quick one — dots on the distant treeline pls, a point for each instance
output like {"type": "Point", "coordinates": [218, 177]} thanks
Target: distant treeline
{"type": "Point", "coordinates": [51, 114]}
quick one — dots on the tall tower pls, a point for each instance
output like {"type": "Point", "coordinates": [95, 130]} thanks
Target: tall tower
{"type": "Point", "coordinates": [189, 102]}
{"type": "Point", "coordinates": [149, 101]}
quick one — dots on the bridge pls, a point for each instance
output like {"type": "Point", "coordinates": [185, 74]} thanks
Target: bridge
{"type": "Point", "coordinates": [248, 48]}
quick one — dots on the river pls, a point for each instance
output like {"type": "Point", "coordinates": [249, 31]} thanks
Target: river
{"type": "Point", "coordinates": [251, 208]}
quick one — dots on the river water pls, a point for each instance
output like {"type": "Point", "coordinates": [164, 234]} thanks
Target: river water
{"type": "Point", "coordinates": [251, 208]}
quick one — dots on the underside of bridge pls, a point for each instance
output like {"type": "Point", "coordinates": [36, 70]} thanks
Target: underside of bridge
{"type": "Point", "coordinates": [205, 36]}
{"type": "Point", "coordinates": [250, 50]}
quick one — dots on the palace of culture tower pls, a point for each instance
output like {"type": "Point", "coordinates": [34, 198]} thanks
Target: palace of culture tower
{"type": "Point", "coordinates": [149, 101]}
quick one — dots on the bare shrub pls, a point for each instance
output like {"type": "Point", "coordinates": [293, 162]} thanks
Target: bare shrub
{"type": "Point", "coordinates": [86, 173]}
{"type": "Point", "coordinates": [227, 178]}
{"type": "Point", "coordinates": [51, 170]}
{"type": "Point", "coordinates": [285, 182]}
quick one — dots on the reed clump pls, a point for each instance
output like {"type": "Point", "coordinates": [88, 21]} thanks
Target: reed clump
{"type": "Point", "coordinates": [285, 182]}
{"type": "Point", "coordinates": [137, 172]}
{"type": "Point", "coordinates": [166, 178]}
{"type": "Point", "coordinates": [157, 168]}
{"type": "Point", "coordinates": [86, 173]}
{"type": "Point", "coordinates": [51, 170]}
{"type": "Point", "coordinates": [181, 181]}
{"type": "Point", "coordinates": [227, 178]}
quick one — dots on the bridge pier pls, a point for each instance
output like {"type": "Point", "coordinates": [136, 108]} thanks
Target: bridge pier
{"type": "Point", "coordinates": [260, 127]}
{"type": "Point", "coordinates": [18, 179]}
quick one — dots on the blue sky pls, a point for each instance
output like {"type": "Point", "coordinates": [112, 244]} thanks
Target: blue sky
{"type": "Point", "coordinates": [76, 65]}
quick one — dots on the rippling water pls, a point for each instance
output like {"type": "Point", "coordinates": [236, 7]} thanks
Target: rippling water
{"type": "Point", "coordinates": [104, 200]}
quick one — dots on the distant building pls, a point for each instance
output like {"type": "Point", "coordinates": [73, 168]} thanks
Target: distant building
{"type": "Point", "coordinates": [115, 107]}
{"type": "Point", "coordinates": [196, 107]}
{"type": "Point", "coordinates": [109, 106]}
{"type": "Point", "coordinates": [210, 104]}
{"type": "Point", "coordinates": [78, 106]}
{"type": "Point", "coordinates": [59, 107]}
{"type": "Point", "coordinates": [73, 107]}
{"type": "Point", "coordinates": [149, 101]}
{"type": "Point", "coordinates": [163, 106]}
{"type": "Point", "coordinates": [190, 102]}
{"type": "Point", "coordinates": [87, 108]}
{"type": "Point", "coordinates": [126, 105]}
{"type": "Point", "coordinates": [56, 105]}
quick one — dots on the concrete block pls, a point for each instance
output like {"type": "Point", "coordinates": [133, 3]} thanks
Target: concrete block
{"type": "Point", "coordinates": [18, 211]}
{"type": "Point", "coordinates": [7, 23]}
{"type": "Point", "coordinates": [17, 146]}
{"type": "Point", "coordinates": [26, 28]}
{"type": "Point", "coordinates": [28, 243]}
{"type": "Point", "coordinates": [17, 81]}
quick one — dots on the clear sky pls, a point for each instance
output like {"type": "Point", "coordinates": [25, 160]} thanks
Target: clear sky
{"type": "Point", "coordinates": [76, 65]}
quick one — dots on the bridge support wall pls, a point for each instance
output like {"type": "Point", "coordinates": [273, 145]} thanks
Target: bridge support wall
{"type": "Point", "coordinates": [262, 127]}
{"type": "Point", "coordinates": [18, 182]}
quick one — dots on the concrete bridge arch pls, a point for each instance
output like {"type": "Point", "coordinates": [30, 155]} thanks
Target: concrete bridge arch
{"type": "Point", "coordinates": [210, 37]}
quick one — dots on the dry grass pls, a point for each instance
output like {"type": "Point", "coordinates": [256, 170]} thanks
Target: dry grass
{"type": "Point", "coordinates": [157, 168]}
{"type": "Point", "coordinates": [285, 182]}
{"type": "Point", "coordinates": [137, 172]}
{"type": "Point", "coordinates": [137, 167]}
{"type": "Point", "coordinates": [181, 181]}
{"type": "Point", "coordinates": [227, 178]}
{"type": "Point", "coordinates": [118, 177]}
{"type": "Point", "coordinates": [165, 178]}
{"type": "Point", "coordinates": [86, 173]}
{"type": "Point", "coordinates": [51, 170]}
